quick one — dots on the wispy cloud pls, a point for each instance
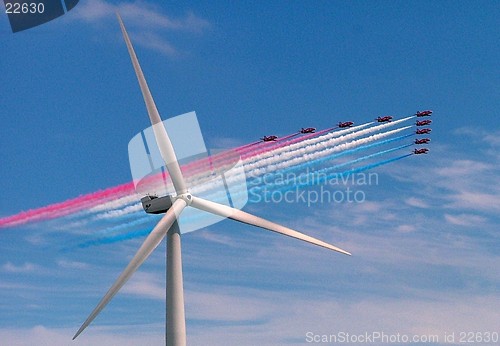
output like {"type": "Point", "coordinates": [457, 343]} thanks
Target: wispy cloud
{"type": "Point", "coordinates": [217, 238]}
{"type": "Point", "coordinates": [406, 228]}
{"type": "Point", "coordinates": [227, 305]}
{"type": "Point", "coordinates": [486, 136]}
{"type": "Point", "coordinates": [72, 264]}
{"type": "Point", "coordinates": [416, 202]}
{"type": "Point", "coordinates": [287, 323]}
{"type": "Point", "coordinates": [154, 41]}
{"type": "Point", "coordinates": [454, 182]}
{"type": "Point", "coordinates": [147, 21]}
{"type": "Point", "coordinates": [462, 167]}
{"type": "Point", "coordinates": [464, 219]}
{"type": "Point", "coordinates": [41, 335]}
{"type": "Point", "coordinates": [23, 268]}
{"type": "Point", "coordinates": [146, 285]}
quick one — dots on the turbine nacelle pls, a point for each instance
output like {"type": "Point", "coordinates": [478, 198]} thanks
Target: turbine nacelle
{"type": "Point", "coordinates": [156, 205]}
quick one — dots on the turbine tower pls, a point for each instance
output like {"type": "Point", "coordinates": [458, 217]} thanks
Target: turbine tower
{"type": "Point", "coordinates": [168, 226]}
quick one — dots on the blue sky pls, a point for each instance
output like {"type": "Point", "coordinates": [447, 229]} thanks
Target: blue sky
{"type": "Point", "coordinates": [424, 243]}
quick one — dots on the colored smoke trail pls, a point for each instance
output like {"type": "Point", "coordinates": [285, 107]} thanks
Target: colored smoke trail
{"type": "Point", "coordinates": [286, 147]}
{"type": "Point", "coordinates": [257, 185]}
{"type": "Point", "coordinates": [308, 140]}
{"type": "Point", "coordinates": [201, 167]}
{"type": "Point", "coordinates": [307, 156]}
{"type": "Point", "coordinates": [333, 155]}
{"type": "Point", "coordinates": [295, 169]}
{"type": "Point", "coordinates": [225, 158]}
{"type": "Point", "coordinates": [270, 147]}
{"type": "Point", "coordinates": [306, 145]}
{"type": "Point", "coordinates": [277, 162]}
{"type": "Point", "coordinates": [112, 238]}
{"type": "Point", "coordinates": [377, 164]}
{"type": "Point", "coordinates": [283, 142]}
{"type": "Point", "coordinates": [122, 200]}
{"type": "Point", "coordinates": [313, 152]}
{"type": "Point", "coordinates": [135, 209]}
{"type": "Point", "coordinates": [291, 147]}
{"type": "Point", "coordinates": [314, 178]}
{"type": "Point", "coordinates": [321, 176]}
{"type": "Point", "coordinates": [92, 202]}
{"type": "Point", "coordinates": [67, 207]}
{"type": "Point", "coordinates": [329, 140]}
{"type": "Point", "coordinates": [245, 152]}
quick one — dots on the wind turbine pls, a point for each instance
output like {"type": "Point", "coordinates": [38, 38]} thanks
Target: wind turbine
{"type": "Point", "coordinates": [168, 226]}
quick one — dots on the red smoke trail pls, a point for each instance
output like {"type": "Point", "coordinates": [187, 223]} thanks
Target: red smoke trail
{"type": "Point", "coordinates": [284, 143]}
{"type": "Point", "coordinates": [229, 156]}
{"type": "Point", "coordinates": [67, 207]}
{"type": "Point", "coordinates": [90, 200]}
{"type": "Point", "coordinates": [93, 199]}
{"type": "Point", "coordinates": [247, 151]}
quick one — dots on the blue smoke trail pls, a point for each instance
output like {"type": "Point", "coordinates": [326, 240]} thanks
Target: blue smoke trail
{"type": "Point", "coordinates": [306, 164]}
{"type": "Point", "coordinates": [255, 185]}
{"type": "Point", "coordinates": [267, 186]}
{"type": "Point", "coordinates": [377, 164]}
{"type": "Point", "coordinates": [320, 176]}
{"type": "Point", "coordinates": [83, 217]}
{"type": "Point", "coordinates": [110, 239]}
{"type": "Point", "coordinates": [267, 194]}
{"type": "Point", "coordinates": [143, 232]}
{"type": "Point", "coordinates": [140, 219]}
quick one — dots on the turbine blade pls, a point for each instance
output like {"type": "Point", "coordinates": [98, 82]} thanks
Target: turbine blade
{"type": "Point", "coordinates": [241, 216]}
{"type": "Point", "coordinates": [162, 139]}
{"type": "Point", "coordinates": [151, 242]}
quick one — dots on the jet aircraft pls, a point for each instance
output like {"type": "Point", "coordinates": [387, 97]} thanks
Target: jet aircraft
{"type": "Point", "coordinates": [422, 131]}
{"type": "Point", "coordinates": [384, 119]}
{"type": "Point", "coordinates": [423, 113]}
{"type": "Point", "coordinates": [422, 140]}
{"type": "Point", "coordinates": [308, 130]}
{"type": "Point", "coordinates": [423, 122]}
{"type": "Point", "coordinates": [420, 151]}
{"type": "Point", "coordinates": [345, 124]}
{"type": "Point", "coordinates": [269, 138]}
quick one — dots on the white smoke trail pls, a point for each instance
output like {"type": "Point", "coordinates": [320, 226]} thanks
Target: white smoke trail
{"type": "Point", "coordinates": [318, 143]}
{"type": "Point", "coordinates": [314, 152]}
{"type": "Point", "coordinates": [297, 149]}
{"type": "Point", "coordinates": [113, 204]}
{"type": "Point", "coordinates": [267, 162]}
{"type": "Point", "coordinates": [118, 211]}
{"type": "Point", "coordinates": [298, 161]}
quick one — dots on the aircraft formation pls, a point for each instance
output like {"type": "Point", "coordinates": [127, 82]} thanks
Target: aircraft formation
{"type": "Point", "coordinates": [422, 131]}
{"type": "Point", "coordinates": [380, 119]}
{"type": "Point", "coordinates": [252, 155]}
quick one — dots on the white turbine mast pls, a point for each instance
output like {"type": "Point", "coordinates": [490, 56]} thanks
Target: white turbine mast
{"type": "Point", "coordinates": [167, 226]}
